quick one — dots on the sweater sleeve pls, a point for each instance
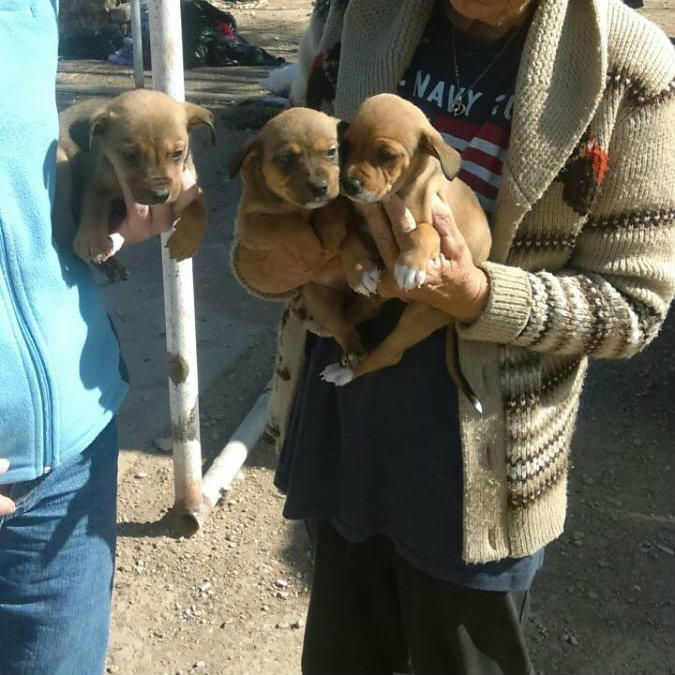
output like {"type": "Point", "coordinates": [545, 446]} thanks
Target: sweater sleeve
{"type": "Point", "coordinates": [611, 299]}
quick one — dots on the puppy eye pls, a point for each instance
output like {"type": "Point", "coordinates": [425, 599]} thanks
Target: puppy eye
{"type": "Point", "coordinates": [177, 156]}
{"type": "Point", "coordinates": [386, 155]}
{"type": "Point", "coordinates": [287, 159]}
{"type": "Point", "coordinates": [332, 152]}
{"type": "Point", "coordinates": [130, 156]}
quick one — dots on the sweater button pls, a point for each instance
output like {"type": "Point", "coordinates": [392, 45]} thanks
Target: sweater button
{"type": "Point", "coordinates": [492, 537]}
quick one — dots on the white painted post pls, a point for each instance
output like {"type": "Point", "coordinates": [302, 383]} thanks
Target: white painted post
{"type": "Point", "coordinates": [137, 38]}
{"type": "Point", "coordinates": [167, 75]}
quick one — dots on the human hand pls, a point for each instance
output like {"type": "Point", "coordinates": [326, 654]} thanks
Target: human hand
{"type": "Point", "coordinates": [142, 221]}
{"type": "Point", "coordinates": [453, 284]}
{"type": "Point", "coordinates": [7, 506]}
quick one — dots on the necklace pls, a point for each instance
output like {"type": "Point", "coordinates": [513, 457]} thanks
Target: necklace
{"type": "Point", "coordinates": [458, 106]}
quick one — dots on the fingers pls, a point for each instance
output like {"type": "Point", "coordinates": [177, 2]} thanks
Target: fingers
{"type": "Point", "coordinates": [143, 222]}
{"type": "Point", "coordinates": [7, 506]}
{"type": "Point", "coordinates": [188, 194]}
{"type": "Point", "coordinates": [452, 241]}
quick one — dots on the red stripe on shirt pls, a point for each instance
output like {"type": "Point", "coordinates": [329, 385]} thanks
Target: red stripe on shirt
{"type": "Point", "coordinates": [490, 162]}
{"type": "Point", "coordinates": [478, 184]}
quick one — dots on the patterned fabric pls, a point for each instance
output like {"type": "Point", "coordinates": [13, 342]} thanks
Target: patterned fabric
{"type": "Point", "coordinates": [583, 256]}
{"type": "Point", "coordinates": [583, 174]}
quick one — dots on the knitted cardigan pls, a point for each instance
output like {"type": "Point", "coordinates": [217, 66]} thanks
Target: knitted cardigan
{"type": "Point", "coordinates": [583, 259]}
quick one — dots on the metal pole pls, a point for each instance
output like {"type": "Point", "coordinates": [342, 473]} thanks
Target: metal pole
{"type": "Point", "coordinates": [179, 311]}
{"type": "Point", "coordinates": [220, 475]}
{"type": "Point", "coordinates": [137, 38]}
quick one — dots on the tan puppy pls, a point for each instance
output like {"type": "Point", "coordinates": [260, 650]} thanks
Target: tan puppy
{"type": "Point", "coordinates": [291, 176]}
{"type": "Point", "coordinates": [133, 148]}
{"type": "Point", "coordinates": [392, 148]}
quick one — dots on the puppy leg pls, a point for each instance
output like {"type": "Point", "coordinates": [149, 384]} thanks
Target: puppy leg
{"type": "Point", "coordinates": [417, 322]}
{"type": "Point", "coordinates": [363, 275]}
{"type": "Point", "coordinates": [324, 305]}
{"type": "Point", "coordinates": [92, 242]}
{"type": "Point", "coordinates": [419, 248]}
{"type": "Point", "coordinates": [362, 308]}
{"type": "Point", "coordinates": [330, 225]}
{"type": "Point", "coordinates": [185, 241]}
{"type": "Point", "coordinates": [63, 223]}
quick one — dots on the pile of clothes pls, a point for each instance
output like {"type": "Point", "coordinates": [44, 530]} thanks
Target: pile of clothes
{"type": "Point", "coordinates": [210, 38]}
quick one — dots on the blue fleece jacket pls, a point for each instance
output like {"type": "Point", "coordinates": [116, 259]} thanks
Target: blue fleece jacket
{"type": "Point", "coordinates": [60, 368]}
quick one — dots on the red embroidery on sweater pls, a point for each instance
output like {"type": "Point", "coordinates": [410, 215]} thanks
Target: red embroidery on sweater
{"type": "Point", "coordinates": [599, 158]}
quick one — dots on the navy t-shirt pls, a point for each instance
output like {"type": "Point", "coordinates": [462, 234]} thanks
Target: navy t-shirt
{"type": "Point", "coordinates": [382, 455]}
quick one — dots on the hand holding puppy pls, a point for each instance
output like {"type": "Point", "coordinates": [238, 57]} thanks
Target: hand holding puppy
{"type": "Point", "coordinates": [453, 284]}
{"type": "Point", "coordinates": [142, 221]}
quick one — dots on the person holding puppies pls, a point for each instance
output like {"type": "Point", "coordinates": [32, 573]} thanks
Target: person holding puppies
{"type": "Point", "coordinates": [429, 519]}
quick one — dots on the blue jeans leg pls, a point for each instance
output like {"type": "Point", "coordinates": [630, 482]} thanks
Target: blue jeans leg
{"type": "Point", "coordinates": [57, 557]}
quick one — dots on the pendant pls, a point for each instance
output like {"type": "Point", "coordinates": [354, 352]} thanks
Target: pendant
{"type": "Point", "coordinates": [458, 108]}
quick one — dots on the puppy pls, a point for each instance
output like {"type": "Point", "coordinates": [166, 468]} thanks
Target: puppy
{"type": "Point", "coordinates": [133, 148]}
{"type": "Point", "coordinates": [290, 200]}
{"type": "Point", "coordinates": [391, 148]}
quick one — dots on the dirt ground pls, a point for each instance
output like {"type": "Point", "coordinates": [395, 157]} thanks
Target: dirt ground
{"type": "Point", "coordinates": [231, 600]}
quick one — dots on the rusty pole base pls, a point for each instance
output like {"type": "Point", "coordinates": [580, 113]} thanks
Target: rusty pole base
{"type": "Point", "coordinates": [185, 520]}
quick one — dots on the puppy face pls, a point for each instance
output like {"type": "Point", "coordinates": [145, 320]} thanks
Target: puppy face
{"type": "Point", "coordinates": [296, 156]}
{"type": "Point", "coordinates": [386, 146]}
{"type": "Point", "coordinates": [145, 136]}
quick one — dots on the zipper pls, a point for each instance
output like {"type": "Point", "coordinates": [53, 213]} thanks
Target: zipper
{"type": "Point", "coordinates": [35, 357]}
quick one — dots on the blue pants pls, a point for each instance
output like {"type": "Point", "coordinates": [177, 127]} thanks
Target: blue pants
{"type": "Point", "coordinates": [57, 557]}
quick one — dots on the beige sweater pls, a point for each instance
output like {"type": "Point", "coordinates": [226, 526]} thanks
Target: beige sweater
{"type": "Point", "coordinates": [583, 262]}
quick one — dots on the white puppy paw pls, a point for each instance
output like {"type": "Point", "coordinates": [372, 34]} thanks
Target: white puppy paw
{"type": "Point", "coordinates": [408, 278]}
{"type": "Point", "coordinates": [368, 282]}
{"type": "Point", "coordinates": [337, 374]}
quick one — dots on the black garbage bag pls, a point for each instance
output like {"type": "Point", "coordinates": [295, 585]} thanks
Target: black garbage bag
{"type": "Point", "coordinates": [226, 51]}
{"type": "Point", "coordinates": [200, 29]}
{"type": "Point", "coordinates": [210, 38]}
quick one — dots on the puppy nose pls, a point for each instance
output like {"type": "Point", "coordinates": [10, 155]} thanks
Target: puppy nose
{"type": "Point", "coordinates": [352, 186]}
{"type": "Point", "coordinates": [160, 195]}
{"type": "Point", "coordinates": [318, 188]}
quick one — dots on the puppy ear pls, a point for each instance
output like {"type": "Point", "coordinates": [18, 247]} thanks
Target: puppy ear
{"type": "Point", "coordinates": [197, 115]}
{"type": "Point", "coordinates": [342, 127]}
{"type": "Point", "coordinates": [433, 144]}
{"type": "Point", "coordinates": [236, 160]}
{"type": "Point", "coordinates": [98, 123]}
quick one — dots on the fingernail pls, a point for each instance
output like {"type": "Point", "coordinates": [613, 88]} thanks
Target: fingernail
{"type": "Point", "coordinates": [4, 464]}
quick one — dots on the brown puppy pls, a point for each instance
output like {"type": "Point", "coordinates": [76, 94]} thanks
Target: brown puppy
{"type": "Point", "coordinates": [291, 177]}
{"type": "Point", "coordinates": [392, 149]}
{"type": "Point", "coordinates": [136, 143]}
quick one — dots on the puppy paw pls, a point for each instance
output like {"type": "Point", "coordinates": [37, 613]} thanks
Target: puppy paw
{"type": "Point", "coordinates": [363, 279]}
{"type": "Point", "coordinates": [408, 278]}
{"type": "Point", "coordinates": [181, 247]}
{"type": "Point", "coordinates": [337, 374]}
{"type": "Point", "coordinates": [93, 246]}
{"type": "Point", "coordinates": [410, 270]}
{"type": "Point", "coordinates": [368, 283]}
